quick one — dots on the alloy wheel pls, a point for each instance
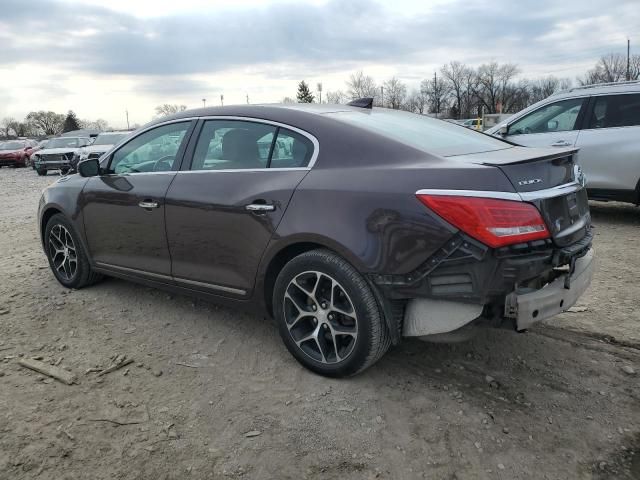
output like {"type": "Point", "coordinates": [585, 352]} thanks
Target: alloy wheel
{"type": "Point", "coordinates": [320, 317]}
{"type": "Point", "coordinates": [63, 253]}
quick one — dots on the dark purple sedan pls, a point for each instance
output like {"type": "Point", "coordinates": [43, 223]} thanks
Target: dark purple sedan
{"type": "Point", "coordinates": [352, 226]}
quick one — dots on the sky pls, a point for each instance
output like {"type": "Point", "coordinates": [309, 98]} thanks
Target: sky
{"type": "Point", "coordinates": [103, 58]}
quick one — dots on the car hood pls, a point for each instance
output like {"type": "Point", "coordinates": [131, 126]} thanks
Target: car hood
{"type": "Point", "coordinates": [8, 152]}
{"type": "Point", "coordinates": [96, 148]}
{"type": "Point", "coordinates": [47, 151]}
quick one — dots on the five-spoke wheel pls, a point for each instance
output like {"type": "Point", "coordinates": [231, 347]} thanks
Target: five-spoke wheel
{"type": "Point", "coordinates": [327, 315]}
{"type": "Point", "coordinates": [62, 251]}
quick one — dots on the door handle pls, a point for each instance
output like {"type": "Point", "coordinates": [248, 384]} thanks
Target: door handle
{"type": "Point", "coordinates": [148, 204]}
{"type": "Point", "coordinates": [561, 143]}
{"type": "Point", "coordinates": [260, 207]}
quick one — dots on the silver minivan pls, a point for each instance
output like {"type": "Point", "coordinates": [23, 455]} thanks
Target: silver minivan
{"type": "Point", "coordinates": [602, 120]}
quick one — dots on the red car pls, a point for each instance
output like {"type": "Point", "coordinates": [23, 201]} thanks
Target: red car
{"type": "Point", "coordinates": [17, 153]}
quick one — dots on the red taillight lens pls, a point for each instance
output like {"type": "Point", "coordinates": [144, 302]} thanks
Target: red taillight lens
{"type": "Point", "coordinates": [494, 222]}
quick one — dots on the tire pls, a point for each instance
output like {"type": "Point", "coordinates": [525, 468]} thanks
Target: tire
{"type": "Point", "coordinates": [328, 316]}
{"type": "Point", "coordinates": [42, 171]}
{"type": "Point", "coordinates": [64, 248]}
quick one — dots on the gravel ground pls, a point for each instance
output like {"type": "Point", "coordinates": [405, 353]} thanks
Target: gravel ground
{"type": "Point", "coordinates": [212, 393]}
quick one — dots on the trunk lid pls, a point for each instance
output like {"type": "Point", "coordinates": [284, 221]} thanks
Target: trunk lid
{"type": "Point", "coordinates": [549, 179]}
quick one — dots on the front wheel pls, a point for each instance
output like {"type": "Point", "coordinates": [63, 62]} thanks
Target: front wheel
{"type": "Point", "coordinates": [328, 316]}
{"type": "Point", "coordinates": [66, 255]}
{"type": "Point", "coordinates": [42, 171]}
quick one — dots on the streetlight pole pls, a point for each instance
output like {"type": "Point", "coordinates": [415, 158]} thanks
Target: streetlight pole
{"type": "Point", "coordinates": [127, 113]}
{"type": "Point", "coordinates": [381, 96]}
{"type": "Point", "coordinates": [222, 100]}
{"type": "Point", "coordinates": [204, 102]}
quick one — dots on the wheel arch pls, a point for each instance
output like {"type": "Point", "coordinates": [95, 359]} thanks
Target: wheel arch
{"type": "Point", "coordinates": [46, 216]}
{"type": "Point", "coordinates": [278, 258]}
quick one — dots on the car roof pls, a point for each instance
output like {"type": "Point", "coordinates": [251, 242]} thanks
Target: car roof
{"type": "Point", "coordinates": [599, 89]}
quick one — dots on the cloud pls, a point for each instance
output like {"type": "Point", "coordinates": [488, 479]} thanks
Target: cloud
{"type": "Point", "coordinates": [326, 37]}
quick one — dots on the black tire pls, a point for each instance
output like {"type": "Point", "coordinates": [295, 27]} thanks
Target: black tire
{"type": "Point", "coordinates": [372, 338]}
{"type": "Point", "coordinates": [42, 171]}
{"type": "Point", "coordinates": [83, 275]}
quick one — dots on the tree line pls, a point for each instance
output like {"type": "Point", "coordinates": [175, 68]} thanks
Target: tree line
{"type": "Point", "coordinates": [459, 91]}
{"type": "Point", "coordinates": [47, 123]}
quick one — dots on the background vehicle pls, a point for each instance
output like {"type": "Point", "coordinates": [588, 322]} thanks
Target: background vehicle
{"type": "Point", "coordinates": [58, 154]}
{"type": "Point", "coordinates": [16, 153]}
{"type": "Point", "coordinates": [102, 143]}
{"type": "Point", "coordinates": [362, 226]}
{"type": "Point", "coordinates": [602, 120]}
{"type": "Point", "coordinates": [473, 123]}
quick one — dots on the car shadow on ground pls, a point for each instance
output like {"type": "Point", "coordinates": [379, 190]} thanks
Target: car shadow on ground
{"type": "Point", "coordinates": [614, 212]}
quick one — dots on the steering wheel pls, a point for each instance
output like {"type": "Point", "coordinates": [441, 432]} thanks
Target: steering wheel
{"type": "Point", "coordinates": [527, 130]}
{"type": "Point", "coordinates": [164, 164]}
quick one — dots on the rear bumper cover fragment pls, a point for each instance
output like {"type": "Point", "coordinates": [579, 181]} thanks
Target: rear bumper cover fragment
{"type": "Point", "coordinates": [554, 298]}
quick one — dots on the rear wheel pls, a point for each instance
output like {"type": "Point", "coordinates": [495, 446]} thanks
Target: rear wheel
{"type": "Point", "coordinates": [328, 316]}
{"type": "Point", "coordinates": [66, 255]}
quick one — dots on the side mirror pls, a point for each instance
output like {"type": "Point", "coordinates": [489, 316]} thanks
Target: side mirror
{"type": "Point", "coordinates": [89, 168]}
{"type": "Point", "coordinates": [504, 129]}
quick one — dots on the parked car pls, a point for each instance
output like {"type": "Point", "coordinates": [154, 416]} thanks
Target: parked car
{"type": "Point", "coordinates": [102, 143]}
{"type": "Point", "coordinates": [365, 226]}
{"type": "Point", "coordinates": [602, 120]}
{"type": "Point", "coordinates": [58, 154]}
{"type": "Point", "coordinates": [473, 123]}
{"type": "Point", "coordinates": [16, 153]}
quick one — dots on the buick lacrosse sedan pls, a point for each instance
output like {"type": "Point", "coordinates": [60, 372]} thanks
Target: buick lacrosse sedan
{"type": "Point", "coordinates": [352, 226]}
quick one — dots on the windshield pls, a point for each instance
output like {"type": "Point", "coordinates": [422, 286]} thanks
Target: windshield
{"type": "Point", "coordinates": [11, 145]}
{"type": "Point", "coordinates": [109, 138]}
{"type": "Point", "coordinates": [419, 131]}
{"type": "Point", "coordinates": [63, 142]}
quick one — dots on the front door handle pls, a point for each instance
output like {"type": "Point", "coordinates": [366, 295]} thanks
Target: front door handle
{"type": "Point", "coordinates": [148, 204]}
{"type": "Point", "coordinates": [561, 143]}
{"type": "Point", "coordinates": [260, 207]}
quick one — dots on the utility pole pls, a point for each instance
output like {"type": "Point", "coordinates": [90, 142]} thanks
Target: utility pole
{"type": "Point", "coordinates": [382, 96]}
{"type": "Point", "coordinates": [436, 95]}
{"type": "Point", "coordinates": [247, 99]}
{"type": "Point", "coordinates": [127, 113]}
{"type": "Point", "coordinates": [319, 92]}
{"type": "Point", "coordinates": [628, 51]}
{"type": "Point", "coordinates": [204, 102]}
{"type": "Point", "coordinates": [222, 100]}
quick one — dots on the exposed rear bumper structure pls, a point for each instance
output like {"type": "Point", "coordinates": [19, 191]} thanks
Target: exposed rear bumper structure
{"type": "Point", "coordinates": [552, 299]}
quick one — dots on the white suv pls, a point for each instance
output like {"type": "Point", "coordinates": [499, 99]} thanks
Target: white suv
{"type": "Point", "coordinates": [603, 121]}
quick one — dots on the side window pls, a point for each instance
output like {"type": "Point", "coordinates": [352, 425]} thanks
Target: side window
{"type": "Point", "coordinates": [153, 151]}
{"type": "Point", "coordinates": [233, 144]}
{"type": "Point", "coordinates": [555, 117]}
{"type": "Point", "coordinates": [291, 150]}
{"type": "Point", "coordinates": [615, 111]}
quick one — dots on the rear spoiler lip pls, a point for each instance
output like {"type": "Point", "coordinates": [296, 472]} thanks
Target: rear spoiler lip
{"type": "Point", "coordinates": [522, 156]}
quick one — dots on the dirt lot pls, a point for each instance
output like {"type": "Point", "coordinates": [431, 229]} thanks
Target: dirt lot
{"type": "Point", "coordinates": [553, 403]}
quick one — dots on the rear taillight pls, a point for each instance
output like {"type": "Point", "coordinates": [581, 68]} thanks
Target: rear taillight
{"type": "Point", "coordinates": [494, 222]}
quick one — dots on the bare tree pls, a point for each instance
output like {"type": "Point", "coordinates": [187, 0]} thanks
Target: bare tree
{"type": "Point", "coordinates": [436, 90]}
{"type": "Point", "coordinates": [394, 93]}
{"type": "Point", "coordinates": [169, 109]}
{"type": "Point", "coordinates": [288, 100]}
{"type": "Point", "coordinates": [7, 126]}
{"type": "Point", "coordinates": [612, 67]}
{"type": "Point", "coordinates": [361, 85]}
{"type": "Point", "coordinates": [48, 123]}
{"type": "Point", "coordinates": [336, 97]}
{"type": "Point", "coordinates": [416, 102]}
{"type": "Point", "coordinates": [459, 77]}
{"type": "Point", "coordinates": [494, 85]}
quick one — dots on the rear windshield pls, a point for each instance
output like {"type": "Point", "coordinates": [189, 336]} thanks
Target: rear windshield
{"type": "Point", "coordinates": [421, 132]}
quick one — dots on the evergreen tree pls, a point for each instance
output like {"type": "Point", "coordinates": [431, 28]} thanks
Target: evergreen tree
{"type": "Point", "coordinates": [304, 94]}
{"type": "Point", "coordinates": [71, 122]}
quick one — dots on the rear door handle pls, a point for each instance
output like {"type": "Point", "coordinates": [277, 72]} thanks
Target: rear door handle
{"type": "Point", "coordinates": [260, 207]}
{"type": "Point", "coordinates": [561, 143]}
{"type": "Point", "coordinates": [148, 204]}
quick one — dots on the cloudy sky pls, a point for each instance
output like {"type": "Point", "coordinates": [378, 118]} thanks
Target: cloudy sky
{"type": "Point", "coordinates": [100, 58]}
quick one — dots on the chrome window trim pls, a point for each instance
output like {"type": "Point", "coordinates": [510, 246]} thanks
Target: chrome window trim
{"type": "Point", "coordinates": [514, 196]}
{"type": "Point", "coordinates": [313, 139]}
{"type": "Point", "coordinates": [211, 286]}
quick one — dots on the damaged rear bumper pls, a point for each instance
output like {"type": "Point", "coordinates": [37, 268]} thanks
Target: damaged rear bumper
{"type": "Point", "coordinates": [527, 308]}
